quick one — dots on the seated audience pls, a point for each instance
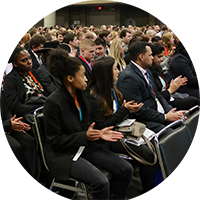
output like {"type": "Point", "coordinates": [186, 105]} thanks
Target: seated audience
{"type": "Point", "coordinates": [107, 37]}
{"type": "Point", "coordinates": [100, 47]}
{"type": "Point", "coordinates": [109, 109]}
{"type": "Point", "coordinates": [22, 89]}
{"type": "Point", "coordinates": [72, 41]}
{"type": "Point", "coordinates": [49, 82]}
{"type": "Point", "coordinates": [36, 43]}
{"type": "Point", "coordinates": [87, 54]}
{"type": "Point", "coordinates": [117, 49]}
{"type": "Point", "coordinates": [135, 83]}
{"type": "Point", "coordinates": [125, 34]}
{"type": "Point", "coordinates": [181, 64]}
{"type": "Point", "coordinates": [22, 144]}
{"type": "Point", "coordinates": [66, 120]}
{"type": "Point", "coordinates": [168, 90]}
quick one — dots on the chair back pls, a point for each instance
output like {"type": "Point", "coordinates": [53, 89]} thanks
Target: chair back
{"type": "Point", "coordinates": [39, 131]}
{"type": "Point", "coordinates": [192, 119]}
{"type": "Point", "coordinates": [172, 147]}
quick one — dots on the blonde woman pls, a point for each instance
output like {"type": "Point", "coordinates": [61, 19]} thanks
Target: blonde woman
{"type": "Point", "coordinates": [117, 49]}
{"type": "Point", "coordinates": [168, 43]}
{"type": "Point", "coordinates": [114, 34]}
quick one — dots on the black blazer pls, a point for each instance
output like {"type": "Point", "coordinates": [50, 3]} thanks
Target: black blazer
{"type": "Point", "coordinates": [35, 63]}
{"type": "Point", "coordinates": [133, 86]}
{"type": "Point", "coordinates": [15, 93]}
{"type": "Point", "coordinates": [102, 121]}
{"type": "Point", "coordinates": [181, 65]}
{"type": "Point", "coordinates": [49, 82]}
{"type": "Point", "coordinates": [64, 131]}
{"type": "Point", "coordinates": [158, 85]}
{"type": "Point", "coordinates": [5, 115]}
{"type": "Point", "coordinates": [87, 69]}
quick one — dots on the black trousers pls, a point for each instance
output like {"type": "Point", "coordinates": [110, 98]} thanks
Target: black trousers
{"type": "Point", "coordinates": [146, 172]}
{"type": "Point", "coordinates": [85, 169]}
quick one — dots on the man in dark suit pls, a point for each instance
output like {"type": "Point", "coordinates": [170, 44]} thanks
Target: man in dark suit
{"type": "Point", "coordinates": [49, 82]}
{"type": "Point", "coordinates": [36, 43]}
{"type": "Point", "coordinates": [87, 54]}
{"type": "Point", "coordinates": [136, 84]}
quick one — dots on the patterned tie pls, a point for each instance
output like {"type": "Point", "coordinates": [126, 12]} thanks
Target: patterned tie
{"type": "Point", "coordinates": [150, 84]}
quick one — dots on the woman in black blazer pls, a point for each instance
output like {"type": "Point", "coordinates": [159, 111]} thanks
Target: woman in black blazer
{"type": "Point", "coordinates": [70, 149]}
{"type": "Point", "coordinates": [109, 109]}
{"type": "Point", "coordinates": [22, 84]}
{"type": "Point", "coordinates": [168, 89]}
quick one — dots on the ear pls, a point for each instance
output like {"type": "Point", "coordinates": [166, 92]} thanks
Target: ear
{"type": "Point", "coordinates": [82, 51]}
{"type": "Point", "coordinates": [15, 65]}
{"type": "Point", "coordinates": [70, 78]}
{"type": "Point", "coordinates": [141, 57]}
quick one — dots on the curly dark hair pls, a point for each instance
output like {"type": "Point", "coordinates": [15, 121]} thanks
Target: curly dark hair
{"type": "Point", "coordinates": [61, 65]}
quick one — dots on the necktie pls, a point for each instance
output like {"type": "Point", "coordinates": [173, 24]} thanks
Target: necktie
{"type": "Point", "coordinates": [150, 84]}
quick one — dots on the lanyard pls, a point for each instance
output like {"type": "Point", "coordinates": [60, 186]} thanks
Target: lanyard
{"type": "Point", "coordinates": [31, 81]}
{"type": "Point", "coordinates": [89, 64]}
{"type": "Point", "coordinates": [78, 106]}
{"type": "Point", "coordinates": [164, 81]}
{"type": "Point", "coordinates": [115, 99]}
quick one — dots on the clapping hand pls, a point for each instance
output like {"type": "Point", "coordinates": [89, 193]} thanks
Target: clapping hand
{"type": "Point", "coordinates": [132, 106]}
{"type": "Point", "coordinates": [18, 125]}
{"type": "Point", "coordinates": [105, 134]}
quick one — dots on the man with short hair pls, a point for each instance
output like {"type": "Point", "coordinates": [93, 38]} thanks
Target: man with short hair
{"type": "Point", "coordinates": [136, 83]}
{"type": "Point", "coordinates": [87, 54]}
{"type": "Point", "coordinates": [72, 41]}
{"type": "Point", "coordinates": [107, 37]}
{"type": "Point", "coordinates": [100, 47]}
{"type": "Point", "coordinates": [126, 36]}
{"type": "Point", "coordinates": [36, 43]}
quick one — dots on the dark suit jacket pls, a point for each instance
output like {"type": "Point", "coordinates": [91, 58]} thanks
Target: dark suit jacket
{"type": "Point", "coordinates": [49, 82]}
{"type": "Point", "coordinates": [64, 131]}
{"type": "Point", "coordinates": [102, 121]}
{"type": "Point", "coordinates": [134, 86]}
{"type": "Point", "coordinates": [87, 69]}
{"type": "Point", "coordinates": [5, 114]}
{"type": "Point", "coordinates": [15, 93]}
{"type": "Point", "coordinates": [35, 63]}
{"type": "Point", "coordinates": [158, 85]}
{"type": "Point", "coordinates": [181, 65]}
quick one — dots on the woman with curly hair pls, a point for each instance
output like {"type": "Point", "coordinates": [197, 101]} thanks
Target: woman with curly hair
{"type": "Point", "coordinates": [70, 148]}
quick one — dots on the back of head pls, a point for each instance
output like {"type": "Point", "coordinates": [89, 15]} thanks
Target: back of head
{"type": "Point", "coordinates": [100, 41]}
{"type": "Point", "coordinates": [36, 41]}
{"type": "Point", "coordinates": [33, 31]}
{"type": "Point", "coordinates": [123, 33]}
{"type": "Point", "coordinates": [137, 48]}
{"type": "Point", "coordinates": [61, 65]}
{"type": "Point", "coordinates": [156, 39]}
{"type": "Point", "coordinates": [156, 48]}
{"type": "Point", "coordinates": [69, 37]}
{"type": "Point", "coordinates": [90, 35]}
{"type": "Point", "coordinates": [102, 73]}
{"type": "Point", "coordinates": [115, 48]}
{"type": "Point", "coordinates": [85, 43]}
{"type": "Point", "coordinates": [104, 33]}
{"type": "Point", "coordinates": [166, 40]}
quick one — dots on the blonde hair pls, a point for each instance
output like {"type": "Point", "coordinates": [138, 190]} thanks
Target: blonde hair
{"type": "Point", "coordinates": [115, 52]}
{"type": "Point", "coordinates": [85, 43]}
{"type": "Point", "coordinates": [166, 40]}
{"type": "Point", "coordinates": [113, 35]}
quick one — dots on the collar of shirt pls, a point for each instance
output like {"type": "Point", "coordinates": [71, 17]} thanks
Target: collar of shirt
{"type": "Point", "coordinates": [37, 57]}
{"type": "Point", "coordinates": [88, 63]}
{"type": "Point", "coordinates": [142, 70]}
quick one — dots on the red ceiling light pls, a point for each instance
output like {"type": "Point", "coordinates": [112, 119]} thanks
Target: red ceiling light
{"type": "Point", "coordinates": [99, 7]}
